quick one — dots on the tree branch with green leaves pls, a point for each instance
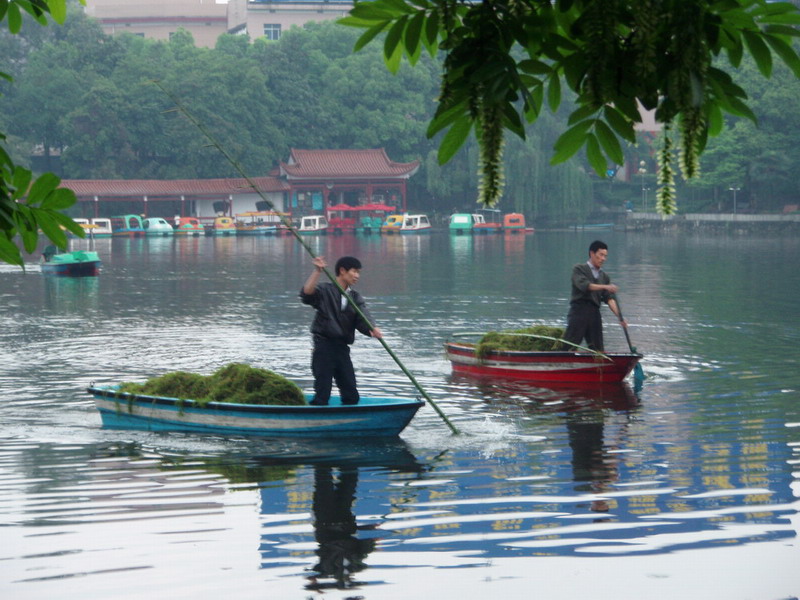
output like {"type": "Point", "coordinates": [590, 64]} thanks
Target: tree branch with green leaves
{"type": "Point", "coordinates": [507, 60]}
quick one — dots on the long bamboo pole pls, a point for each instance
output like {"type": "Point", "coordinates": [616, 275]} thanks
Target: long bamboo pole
{"type": "Point", "coordinates": [290, 227]}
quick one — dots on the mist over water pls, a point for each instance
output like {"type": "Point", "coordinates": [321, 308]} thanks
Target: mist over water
{"type": "Point", "coordinates": [687, 487]}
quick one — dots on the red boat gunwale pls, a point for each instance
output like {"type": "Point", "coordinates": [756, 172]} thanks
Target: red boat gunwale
{"type": "Point", "coordinates": [571, 367]}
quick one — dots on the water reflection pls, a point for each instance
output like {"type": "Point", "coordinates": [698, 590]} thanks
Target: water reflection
{"type": "Point", "coordinates": [341, 553]}
{"type": "Point", "coordinates": [554, 397]}
{"type": "Point", "coordinates": [65, 295]}
{"type": "Point", "coordinates": [342, 542]}
{"type": "Point", "coordinates": [584, 409]}
{"type": "Point", "coordinates": [702, 470]}
{"type": "Point", "coordinates": [461, 247]}
{"type": "Point", "coordinates": [594, 469]}
{"type": "Point", "coordinates": [514, 246]}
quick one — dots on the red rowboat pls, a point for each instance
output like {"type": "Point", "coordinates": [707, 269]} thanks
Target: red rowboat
{"type": "Point", "coordinates": [571, 367]}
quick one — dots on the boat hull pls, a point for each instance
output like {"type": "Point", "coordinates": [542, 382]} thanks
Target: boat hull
{"type": "Point", "coordinates": [77, 269]}
{"type": "Point", "coordinates": [257, 230]}
{"type": "Point", "coordinates": [561, 367]}
{"type": "Point", "coordinates": [374, 417]}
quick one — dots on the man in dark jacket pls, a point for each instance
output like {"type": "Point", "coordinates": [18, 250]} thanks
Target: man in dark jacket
{"type": "Point", "coordinates": [333, 328]}
{"type": "Point", "coordinates": [590, 286]}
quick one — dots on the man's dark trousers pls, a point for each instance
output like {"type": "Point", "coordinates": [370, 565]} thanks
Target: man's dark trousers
{"type": "Point", "coordinates": [584, 321]}
{"type": "Point", "coordinates": [330, 362]}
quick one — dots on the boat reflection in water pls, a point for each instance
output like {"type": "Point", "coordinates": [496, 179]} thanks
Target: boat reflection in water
{"type": "Point", "coordinates": [584, 409]}
{"type": "Point", "coordinates": [342, 542]}
{"type": "Point", "coordinates": [556, 397]}
{"type": "Point", "coordinates": [71, 295]}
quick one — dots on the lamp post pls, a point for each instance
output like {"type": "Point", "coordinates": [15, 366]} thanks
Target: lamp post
{"type": "Point", "coordinates": [734, 190]}
{"type": "Point", "coordinates": [643, 172]}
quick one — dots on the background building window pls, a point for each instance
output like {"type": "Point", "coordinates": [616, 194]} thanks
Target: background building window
{"type": "Point", "coordinates": [272, 31]}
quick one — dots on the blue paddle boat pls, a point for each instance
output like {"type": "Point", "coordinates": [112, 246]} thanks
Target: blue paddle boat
{"type": "Point", "coordinates": [373, 417]}
{"type": "Point", "coordinates": [80, 263]}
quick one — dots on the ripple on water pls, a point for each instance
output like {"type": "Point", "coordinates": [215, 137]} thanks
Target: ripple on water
{"type": "Point", "coordinates": [698, 467]}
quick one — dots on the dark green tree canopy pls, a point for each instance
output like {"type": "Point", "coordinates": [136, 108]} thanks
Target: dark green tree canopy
{"type": "Point", "coordinates": [506, 60]}
{"type": "Point", "coordinates": [27, 204]}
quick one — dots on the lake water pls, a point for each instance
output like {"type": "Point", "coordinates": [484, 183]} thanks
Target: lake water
{"type": "Point", "coordinates": [686, 488]}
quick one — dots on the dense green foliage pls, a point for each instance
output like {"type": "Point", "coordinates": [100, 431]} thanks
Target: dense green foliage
{"type": "Point", "coordinates": [259, 99]}
{"type": "Point", "coordinates": [534, 338]}
{"type": "Point", "coordinates": [507, 60]}
{"type": "Point", "coordinates": [762, 159]}
{"type": "Point", "coordinates": [237, 383]}
{"type": "Point", "coordinates": [83, 105]}
{"type": "Point", "coordinates": [28, 204]}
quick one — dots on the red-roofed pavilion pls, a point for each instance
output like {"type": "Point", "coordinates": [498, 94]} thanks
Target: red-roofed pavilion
{"type": "Point", "coordinates": [318, 179]}
{"type": "Point", "coordinates": [308, 183]}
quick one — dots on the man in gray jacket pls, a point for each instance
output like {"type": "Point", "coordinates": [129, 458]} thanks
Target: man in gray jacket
{"type": "Point", "coordinates": [590, 286]}
{"type": "Point", "coordinates": [333, 328]}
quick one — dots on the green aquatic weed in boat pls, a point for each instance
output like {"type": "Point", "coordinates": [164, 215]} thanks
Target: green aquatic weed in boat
{"type": "Point", "coordinates": [234, 382]}
{"type": "Point", "coordinates": [178, 384]}
{"type": "Point", "coordinates": [536, 338]}
{"type": "Point", "coordinates": [247, 385]}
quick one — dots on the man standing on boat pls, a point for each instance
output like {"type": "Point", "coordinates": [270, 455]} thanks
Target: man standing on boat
{"type": "Point", "coordinates": [590, 287]}
{"type": "Point", "coordinates": [334, 327]}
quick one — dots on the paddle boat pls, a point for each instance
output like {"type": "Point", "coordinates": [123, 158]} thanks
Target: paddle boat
{"type": "Point", "coordinates": [371, 417]}
{"type": "Point", "coordinates": [487, 220]}
{"type": "Point", "coordinates": [157, 227]}
{"type": "Point", "coordinates": [127, 226]}
{"type": "Point", "coordinates": [313, 225]}
{"type": "Point", "coordinates": [461, 223]}
{"type": "Point", "coordinates": [538, 366]}
{"type": "Point", "coordinates": [223, 226]}
{"type": "Point", "coordinates": [415, 224]}
{"type": "Point", "coordinates": [83, 223]}
{"type": "Point", "coordinates": [189, 226]}
{"type": "Point", "coordinates": [515, 223]}
{"type": "Point", "coordinates": [372, 217]}
{"type": "Point", "coordinates": [265, 222]}
{"type": "Point", "coordinates": [369, 225]}
{"type": "Point", "coordinates": [341, 218]}
{"type": "Point", "coordinates": [94, 228]}
{"type": "Point", "coordinates": [392, 224]}
{"type": "Point", "coordinates": [80, 263]}
{"type": "Point", "coordinates": [99, 227]}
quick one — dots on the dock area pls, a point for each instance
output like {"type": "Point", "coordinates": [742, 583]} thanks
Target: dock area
{"type": "Point", "coordinates": [717, 222]}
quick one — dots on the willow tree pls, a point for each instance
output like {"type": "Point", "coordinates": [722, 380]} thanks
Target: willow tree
{"type": "Point", "coordinates": [505, 61]}
{"type": "Point", "coordinates": [27, 204]}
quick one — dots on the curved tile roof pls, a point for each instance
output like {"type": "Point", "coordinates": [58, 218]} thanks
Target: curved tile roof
{"type": "Point", "coordinates": [349, 164]}
{"type": "Point", "coordinates": [173, 187]}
